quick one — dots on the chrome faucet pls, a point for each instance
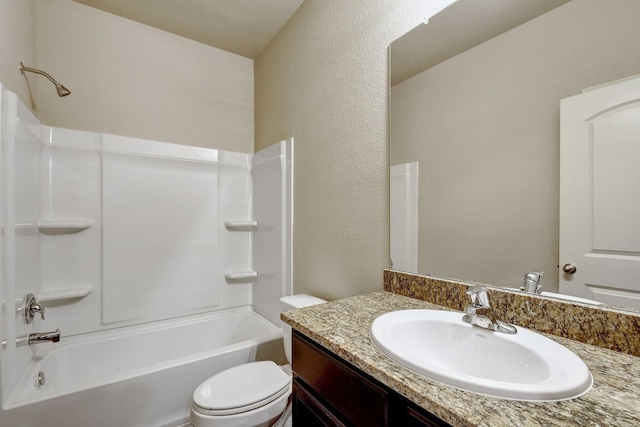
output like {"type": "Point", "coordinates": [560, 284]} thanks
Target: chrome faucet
{"type": "Point", "coordinates": [39, 337]}
{"type": "Point", "coordinates": [531, 283]}
{"type": "Point", "coordinates": [480, 303]}
{"type": "Point", "coordinates": [30, 307]}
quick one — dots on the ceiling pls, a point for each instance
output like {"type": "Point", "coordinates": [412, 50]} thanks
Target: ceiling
{"type": "Point", "coordinates": [461, 26]}
{"type": "Point", "coordinates": [243, 27]}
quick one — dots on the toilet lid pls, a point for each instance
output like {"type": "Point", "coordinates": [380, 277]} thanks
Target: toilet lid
{"type": "Point", "coordinates": [241, 388]}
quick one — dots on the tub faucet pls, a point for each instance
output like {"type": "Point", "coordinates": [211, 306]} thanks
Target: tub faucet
{"type": "Point", "coordinates": [480, 303]}
{"type": "Point", "coordinates": [38, 337]}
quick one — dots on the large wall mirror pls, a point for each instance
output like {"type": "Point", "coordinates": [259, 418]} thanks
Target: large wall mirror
{"type": "Point", "coordinates": [475, 132]}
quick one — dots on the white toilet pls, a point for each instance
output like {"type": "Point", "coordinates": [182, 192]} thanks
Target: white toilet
{"type": "Point", "coordinates": [249, 395]}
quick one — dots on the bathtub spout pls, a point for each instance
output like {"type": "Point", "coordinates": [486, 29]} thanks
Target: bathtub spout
{"type": "Point", "coordinates": [38, 337]}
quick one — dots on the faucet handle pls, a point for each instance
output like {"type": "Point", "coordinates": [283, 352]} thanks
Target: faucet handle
{"type": "Point", "coordinates": [30, 307]}
{"type": "Point", "coordinates": [531, 282]}
{"type": "Point", "coordinates": [479, 296]}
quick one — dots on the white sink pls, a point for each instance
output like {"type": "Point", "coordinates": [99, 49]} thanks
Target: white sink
{"type": "Point", "coordinates": [440, 346]}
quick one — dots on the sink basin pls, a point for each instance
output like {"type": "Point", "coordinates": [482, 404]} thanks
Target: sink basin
{"type": "Point", "coordinates": [440, 346]}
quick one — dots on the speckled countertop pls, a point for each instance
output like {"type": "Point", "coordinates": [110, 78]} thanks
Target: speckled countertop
{"type": "Point", "coordinates": [342, 326]}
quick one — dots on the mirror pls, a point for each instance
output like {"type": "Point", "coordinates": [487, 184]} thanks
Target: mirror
{"type": "Point", "coordinates": [475, 125]}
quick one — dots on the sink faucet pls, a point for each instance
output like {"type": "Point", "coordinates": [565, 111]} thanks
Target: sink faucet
{"type": "Point", "coordinates": [38, 337]}
{"type": "Point", "coordinates": [531, 283]}
{"type": "Point", "coordinates": [480, 303]}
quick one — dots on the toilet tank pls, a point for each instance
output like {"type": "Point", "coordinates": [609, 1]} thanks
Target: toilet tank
{"type": "Point", "coordinates": [292, 302]}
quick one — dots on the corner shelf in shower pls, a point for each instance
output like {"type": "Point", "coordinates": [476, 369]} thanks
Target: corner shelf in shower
{"type": "Point", "coordinates": [58, 295]}
{"type": "Point", "coordinates": [240, 275]}
{"type": "Point", "coordinates": [241, 225]}
{"type": "Point", "coordinates": [64, 226]}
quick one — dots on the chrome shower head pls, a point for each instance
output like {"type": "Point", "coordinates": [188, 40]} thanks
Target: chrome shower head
{"type": "Point", "coordinates": [62, 91]}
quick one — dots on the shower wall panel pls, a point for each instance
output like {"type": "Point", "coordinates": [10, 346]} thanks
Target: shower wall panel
{"type": "Point", "coordinates": [20, 149]}
{"type": "Point", "coordinates": [155, 244]}
{"type": "Point", "coordinates": [273, 204]}
{"type": "Point", "coordinates": [70, 286]}
{"type": "Point", "coordinates": [160, 237]}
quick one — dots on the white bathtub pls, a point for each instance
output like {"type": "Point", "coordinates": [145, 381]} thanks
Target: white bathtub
{"type": "Point", "coordinates": [137, 376]}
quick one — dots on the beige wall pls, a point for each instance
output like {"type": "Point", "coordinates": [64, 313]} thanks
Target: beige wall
{"type": "Point", "coordinates": [485, 128]}
{"type": "Point", "coordinates": [17, 43]}
{"type": "Point", "coordinates": [131, 79]}
{"type": "Point", "coordinates": [324, 80]}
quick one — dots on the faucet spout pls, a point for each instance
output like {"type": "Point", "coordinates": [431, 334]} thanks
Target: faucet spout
{"type": "Point", "coordinates": [479, 312]}
{"type": "Point", "coordinates": [39, 337]}
{"type": "Point", "coordinates": [531, 283]}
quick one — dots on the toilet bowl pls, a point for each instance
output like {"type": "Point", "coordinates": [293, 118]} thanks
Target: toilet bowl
{"type": "Point", "coordinates": [252, 394]}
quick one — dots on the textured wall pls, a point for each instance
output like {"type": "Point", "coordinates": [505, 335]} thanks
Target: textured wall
{"type": "Point", "coordinates": [324, 81]}
{"type": "Point", "coordinates": [17, 43]}
{"type": "Point", "coordinates": [131, 79]}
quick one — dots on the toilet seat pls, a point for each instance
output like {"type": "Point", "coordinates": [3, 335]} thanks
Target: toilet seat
{"type": "Point", "coordinates": [241, 388]}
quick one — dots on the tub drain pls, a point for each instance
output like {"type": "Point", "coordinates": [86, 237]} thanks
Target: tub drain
{"type": "Point", "coordinates": [40, 379]}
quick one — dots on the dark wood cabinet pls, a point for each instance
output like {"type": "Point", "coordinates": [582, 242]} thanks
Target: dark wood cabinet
{"type": "Point", "coordinates": [328, 391]}
{"type": "Point", "coordinates": [309, 411]}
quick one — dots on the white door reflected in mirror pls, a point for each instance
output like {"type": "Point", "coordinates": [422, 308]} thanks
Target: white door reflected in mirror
{"type": "Point", "coordinates": [404, 217]}
{"type": "Point", "coordinates": [599, 184]}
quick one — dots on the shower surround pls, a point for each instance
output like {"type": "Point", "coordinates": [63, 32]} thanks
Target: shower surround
{"type": "Point", "coordinates": [122, 237]}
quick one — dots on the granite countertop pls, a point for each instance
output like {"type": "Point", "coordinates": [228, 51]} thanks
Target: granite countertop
{"type": "Point", "coordinates": [342, 327]}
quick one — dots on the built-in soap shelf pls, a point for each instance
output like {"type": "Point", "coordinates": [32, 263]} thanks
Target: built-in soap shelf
{"type": "Point", "coordinates": [240, 275]}
{"type": "Point", "coordinates": [61, 226]}
{"type": "Point", "coordinates": [57, 295]}
{"type": "Point", "coordinates": [241, 225]}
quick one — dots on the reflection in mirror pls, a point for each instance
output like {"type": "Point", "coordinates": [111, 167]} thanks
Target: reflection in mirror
{"type": "Point", "coordinates": [475, 106]}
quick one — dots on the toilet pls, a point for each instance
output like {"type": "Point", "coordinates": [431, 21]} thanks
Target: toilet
{"type": "Point", "coordinates": [252, 394]}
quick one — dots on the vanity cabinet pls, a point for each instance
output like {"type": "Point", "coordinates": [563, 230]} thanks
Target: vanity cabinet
{"type": "Point", "coordinates": [328, 391]}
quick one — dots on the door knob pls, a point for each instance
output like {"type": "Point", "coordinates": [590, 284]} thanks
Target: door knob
{"type": "Point", "coordinates": [569, 268]}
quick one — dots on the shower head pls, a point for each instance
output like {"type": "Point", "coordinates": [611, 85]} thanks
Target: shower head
{"type": "Point", "coordinates": [62, 91]}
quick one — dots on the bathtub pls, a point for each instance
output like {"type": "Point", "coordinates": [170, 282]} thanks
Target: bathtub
{"type": "Point", "coordinates": [136, 376]}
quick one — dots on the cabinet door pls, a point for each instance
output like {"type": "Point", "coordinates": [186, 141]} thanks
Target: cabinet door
{"type": "Point", "coordinates": [347, 393]}
{"type": "Point", "coordinates": [309, 412]}
{"type": "Point", "coordinates": [419, 418]}
{"type": "Point", "coordinates": [328, 391]}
